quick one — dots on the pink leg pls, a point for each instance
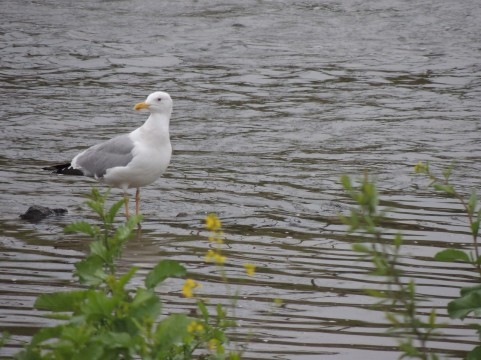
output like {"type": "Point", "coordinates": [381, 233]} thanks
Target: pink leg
{"type": "Point", "coordinates": [137, 205]}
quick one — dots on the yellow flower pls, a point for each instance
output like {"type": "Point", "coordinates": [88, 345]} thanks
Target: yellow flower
{"type": "Point", "coordinates": [188, 288]}
{"type": "Point", "coordinates": [215, 256]}
{"type": "Point", "coordinates": [195, 327]}
{"type": "Point", "coordinates": [213, 344]}
{"type": "Point", "coordinates": [209, 255]}
{"type": "Point", "coordinates": [212, 222]}
{"type": "Point", "coordinates": [250, 269]}
{"type": "Point", "coordinates": [420, 167]}
{"type": "Point", "coordinates": [278, 302]}
{"type": "Point", "coordinates": [219, 259]}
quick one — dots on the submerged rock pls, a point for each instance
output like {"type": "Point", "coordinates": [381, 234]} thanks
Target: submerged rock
{"type": "Point", "coordinates": [38, 212]}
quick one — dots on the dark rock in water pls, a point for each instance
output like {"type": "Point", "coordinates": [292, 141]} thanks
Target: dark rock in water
{"type": "Point", "coordinates": [38, 212]}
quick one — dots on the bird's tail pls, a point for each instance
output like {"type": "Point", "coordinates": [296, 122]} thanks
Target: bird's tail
{"type": "Point", "coordinates": [64, 169]}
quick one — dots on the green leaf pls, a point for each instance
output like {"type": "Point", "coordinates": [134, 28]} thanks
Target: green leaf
{"type": "Point", "coordinates": [361, 248]}
{"type": "Point", "coordinates": [171, 331]}
{"type": "Point", "coordinates": [97, 207]}
{"type": "Point", "coordinates": [432, 318]}
{"type": "Point", "coordinates": [4, 336]}
{"type": "Point", "coordinates": [124, 279]}
{"type": "Point", "coordinates": [98, 306]}
{"type": "Point", "coordinates": [452, 255]}
{"type": "Point", "coordinates": [472, 203]}
{"type": "Point", "coordinates": [123, 232]}
{"type": "Point", "coordinates": [447, 172]}
{"type": "Point", "coordinates": [114, 209]}
{"type": "Point", "coordinates": [163, 270]}
{"type": "Point", "coordinates": [93, 351]}
{"type": "Point", "coordinates": [346, 182]}
{"type": "Point", "coordinates": [133, 221]}
{"type": "Point", "coordinates": [61, 301]}
{"type": "Point", "coordinates": [59, 316]}
{"type": "Point", "coordinates": [76, 335]}
{"type": "Point", "coordinates": [409, 349]}
{"type": "Point", "coordinates": [145, 305]}
{"type": "Point", "coordinates": [475, 228]}
{"type": "Point", "coordinates": [398, 239]}
{"type": "Point", "coordinates": [469, 289]}
{"type": "Point", "coordinates": [97, 248]}
{"type": "Point", "coordinates": [353, 221]}
{"type": "Point", "coordinates": [411, 288]}
{"type": "Point", "coordinates": [221, 314]}
{"type": "Point", "coordinates": [90, 271]}
{"type": "Point", "coordinates": [115, 340]}
{"type": "Point", "coordinates": [446, 188]}
{"type": "Point", "coordinates": [478, 220]}
{"type": "Point", "coordinates": [474, 354]}
{"type": "Point", "coordinates": [343, 219]}
{"type": "Point", "coordinates": [377, 293]}
{"type": "Point", "coordinates": [391, 317]}
{"type": "Point", "coordinates": [96, 196]}
{"type": "Point", "coordinates": [461, 307]}
{"type": "Point", "coordinates": [81, 227]}
{"type": "Point", "coordinates": [203, 310]}
{"type": "Point", "coordinates": [46, 334]}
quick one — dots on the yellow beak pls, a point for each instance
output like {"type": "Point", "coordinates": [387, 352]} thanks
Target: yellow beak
{"type": "Point", "coordinates": [141, 105]}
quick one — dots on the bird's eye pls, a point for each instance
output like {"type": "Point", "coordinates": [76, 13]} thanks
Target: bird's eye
{"type": "Point", "coordinates": [159, 99]}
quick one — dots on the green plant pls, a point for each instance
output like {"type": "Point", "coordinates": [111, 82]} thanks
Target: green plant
{"type": "Point", "coordinates": [108, 318]}
{"type": "Point", "coordinates": [470, 300]}
{"type": "Point", "coordinates": [4, 336]}
{"type": "Point", "coordinates": [412, 329]}
{"type": "Point", "coordinates": [205, 332]}
{"type": "Point", "coordinates": [471, 208]}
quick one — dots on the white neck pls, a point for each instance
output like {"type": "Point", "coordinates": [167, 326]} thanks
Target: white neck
{"type": "Point", "coordinates": [157, 125]}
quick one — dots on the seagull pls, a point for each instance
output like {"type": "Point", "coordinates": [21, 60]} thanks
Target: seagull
{"type": "Point", "coordinates": [131, 160]}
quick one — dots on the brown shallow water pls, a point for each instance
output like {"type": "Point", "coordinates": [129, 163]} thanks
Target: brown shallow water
{"type": "Point", "coordinates": [274, 100]}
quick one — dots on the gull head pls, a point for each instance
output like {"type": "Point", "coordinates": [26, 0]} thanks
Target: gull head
{"type": "Point", "coordinates": [157, 102]}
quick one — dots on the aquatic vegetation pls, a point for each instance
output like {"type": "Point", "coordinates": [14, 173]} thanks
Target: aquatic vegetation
{"type": "Point", "coordinates": [109, 318]}
{"type": "Point", "coordinates": [471, 208]}
{"type": "Point", "coordinates": [412, 327]}
{"type": "Point", "coordinates": [469, 301]}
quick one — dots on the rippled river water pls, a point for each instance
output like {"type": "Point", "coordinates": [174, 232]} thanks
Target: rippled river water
{"type": "Point", "coordinates": [273, 102]}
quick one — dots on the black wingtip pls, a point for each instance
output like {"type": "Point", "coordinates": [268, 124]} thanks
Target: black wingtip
{"type": "Point", "coordinates": [64, 169]}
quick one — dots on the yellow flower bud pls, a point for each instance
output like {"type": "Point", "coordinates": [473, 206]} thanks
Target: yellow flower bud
{"type": "Point", "coordinates": [250, 269]}
{"type": "Point", "coordinates": [188, 288]}
{"type": "Point", "coordinates": [212, 222]}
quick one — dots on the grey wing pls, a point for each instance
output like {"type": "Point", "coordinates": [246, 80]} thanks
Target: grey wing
{"type": "Point", "coordinates": [95, 161]}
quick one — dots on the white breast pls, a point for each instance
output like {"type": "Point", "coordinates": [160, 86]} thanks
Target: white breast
{"type": "Point", "coordinates": [151, 157]}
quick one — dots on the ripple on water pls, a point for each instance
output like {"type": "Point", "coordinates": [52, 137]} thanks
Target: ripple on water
{"type": "Point", "coordinates": [273, 102]}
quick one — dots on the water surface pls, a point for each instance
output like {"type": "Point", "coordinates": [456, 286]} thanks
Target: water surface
{"type": "Point", "coordinates": [274, 101]}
